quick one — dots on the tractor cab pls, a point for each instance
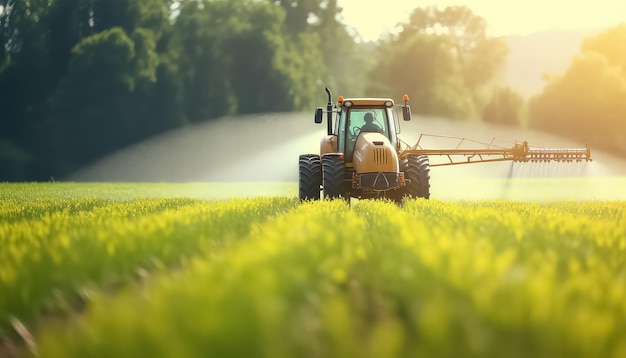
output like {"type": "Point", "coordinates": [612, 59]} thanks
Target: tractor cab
{"type": "Point", "coordinates": [361, 116]}
{"type": "Point", "coordinates": [355, 116]}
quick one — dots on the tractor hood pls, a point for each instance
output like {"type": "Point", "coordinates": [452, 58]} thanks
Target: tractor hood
{"type": "Point", "coordinates": [373, 153]}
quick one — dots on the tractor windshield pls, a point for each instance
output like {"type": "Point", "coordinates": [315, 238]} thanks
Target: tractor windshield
{"type": "Point", "coordinates": [358, 120]}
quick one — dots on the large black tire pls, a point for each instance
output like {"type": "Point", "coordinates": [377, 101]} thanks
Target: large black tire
{"type": "Point", "coordinates": [332, 176]}
{"type": "Point", "coordinates": [310, 177]}
{"type": "Point", "coordinates": [416, 169]}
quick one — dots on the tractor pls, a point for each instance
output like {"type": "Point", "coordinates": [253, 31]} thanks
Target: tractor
{"type": "Point", "coordinates": [362, 157]}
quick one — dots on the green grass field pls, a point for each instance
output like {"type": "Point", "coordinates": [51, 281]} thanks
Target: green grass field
{"type": "Point", "coordinates": [162, 270]}
{"type": "Point", "coordinates": [447, 188]}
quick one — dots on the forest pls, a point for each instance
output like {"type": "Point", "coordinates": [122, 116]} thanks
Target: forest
{"type": "Point", "coordinates": [80, 79]}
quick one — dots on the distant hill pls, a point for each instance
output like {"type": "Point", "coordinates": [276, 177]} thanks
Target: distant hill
{"type": "Point", "coordinates": [532, 56]}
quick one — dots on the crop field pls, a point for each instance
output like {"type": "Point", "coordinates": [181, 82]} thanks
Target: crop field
{"type": "Point", "coordinates": [137, 270]}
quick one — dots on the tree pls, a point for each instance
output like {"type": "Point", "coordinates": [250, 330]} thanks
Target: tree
{"type": "Point", "coordinates": [422, 67]}
{"type": "Point", "coordinates": [480, 57]}
{"type": "Point", "coordinates": [4, 35]}
{"type": "Point", "coordinates": [587, 101]}
{"type": "Point", "coordinates": [237, 58]}
{"type": "Point", "coordinates": [164, 104]}
{"type": "Point", "coordinates": [610, 44]}
{"type": "Point", "coordinates": [445, 57]}
{"type": "Point", "coordinates": [25, 81]}
{"type": "Point", "coordinates": [196, 43]}
{"type": "Point", "coordinates": [298, 14]}
{"type": "Point", "coordinates": [38, 87]}
{"type": "Point", "coordinates": [92, 114]}
{"type": "Point", "coordinates": [81, 78]}
{"type": "Point", "coordinates": [13, 161]}
{"type": "Point", "coordinates": [129, 14]}
{"type": "Point", "coordinates": [344, 61]}
{"type": "Point", "coordinates": [68, 21]}
{"type": "Point", "coordinates": [504, 107]}
{"type": "Point", "coordinates": [258, 62]}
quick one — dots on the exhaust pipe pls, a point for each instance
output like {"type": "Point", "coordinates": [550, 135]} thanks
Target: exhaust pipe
{"type": "Point", "coordinates": [329, 111]}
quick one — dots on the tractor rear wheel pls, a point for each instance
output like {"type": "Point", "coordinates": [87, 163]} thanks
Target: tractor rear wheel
{"type": "Point", "coordinates": [310, 177]}
{"type": "Point", "coordinates": [416, 169]}
{"type": "Point", "coordinates": [332, 175]}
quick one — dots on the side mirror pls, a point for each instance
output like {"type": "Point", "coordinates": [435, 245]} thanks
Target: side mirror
{"type": "Point", "coordinates": [318, 115]}
{"type": "Point", "coordinates": [406, 113]}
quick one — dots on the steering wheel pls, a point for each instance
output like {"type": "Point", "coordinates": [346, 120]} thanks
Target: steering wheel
{"type": "Point", "coordinates": [355, 131]}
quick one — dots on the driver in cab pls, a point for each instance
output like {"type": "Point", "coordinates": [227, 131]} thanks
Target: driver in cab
{"type": "Point", "coordinates": [369, 125]}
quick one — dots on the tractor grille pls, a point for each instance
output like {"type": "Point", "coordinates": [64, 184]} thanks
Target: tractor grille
{"type": "Point", "coordinates": [381, 156]}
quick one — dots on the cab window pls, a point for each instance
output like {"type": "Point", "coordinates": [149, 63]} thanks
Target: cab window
{"type": "Point", "coordinates": [358, 120]}
{"type": "Point", "coordinates": [357, 123]}
{"type": "Point", "coordinates": [340, 131]}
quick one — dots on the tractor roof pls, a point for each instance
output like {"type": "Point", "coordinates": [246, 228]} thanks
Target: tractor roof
{"type": "Point", "coordinates": [369, 101]}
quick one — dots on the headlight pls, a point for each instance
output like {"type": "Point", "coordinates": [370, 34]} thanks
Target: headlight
{"type": "Point", "coordinates": [388, 103]}
{"type": "Point", "coordinates": [347, 104]}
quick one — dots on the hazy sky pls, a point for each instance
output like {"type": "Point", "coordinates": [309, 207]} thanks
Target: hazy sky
{"type": "Point", "coordinates": [504, 17]}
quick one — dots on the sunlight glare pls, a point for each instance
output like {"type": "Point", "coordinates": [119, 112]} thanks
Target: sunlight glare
{"type": "Point", "coordinates": [504, 18]}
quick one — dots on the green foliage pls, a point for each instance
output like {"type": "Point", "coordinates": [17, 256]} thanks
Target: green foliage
{"type": "Point", "coordinates": [57, 251]}
{"type": "Point", "coordinates": [24, 81]}
{"type": "Point", "coordinates": [107, 54]}
{"type": "Point", "coordinates": [46, 81]}
{"type": "Point", "coordinates": [202, 75]}
{"type": "Point", "coordinates": [609, 44]}
{"type": "Point", "coordinates": [12, 160]}
{"type": "Point", "coordinates": [82, 78]}
{"type": "Point", "coordinates": [129, 15]}
{"type": "Point", "coordinates": [587, 101]}
{"type": "Point", "coordinates": [5, 58]}
{"type": "Point", "coordinates": [267, 278]}
{"type": "Point", "coordinates": [22, 23]}
{"type": "Point", "coordinates": [504, 107]}
{"type": "Point", "coordinates": [422, 67]}
{"type": "Point", "coordinates": [345, 62]}
{"type": "Point", "coordinates": [164, 102]}
{"type": "Point", "coordinates": [302, 63]}
{"type": "Point", "coordinates": [263, 66]}
{"type": "Point", "coordinates": [238, 59]}
{"type": "Point", "coordinates": [68, 22]}
{"type": "Point", "coordinates": [298, 12]}
{"type": "Point", "coordinates": [443, 59]}
{"type": "Point", "coordinates": [146, 59]}
{"type": "Point", "coordinates": [91, 108]}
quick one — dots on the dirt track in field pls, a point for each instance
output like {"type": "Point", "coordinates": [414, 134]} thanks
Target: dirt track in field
{"type": "Point", "coordinates": [266, 148]}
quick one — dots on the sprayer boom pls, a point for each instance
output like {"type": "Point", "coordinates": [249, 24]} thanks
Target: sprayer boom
{"type": "Point", "coordinates": [520, 152]}
{"type": "Point", "coordinates": [535, 154]}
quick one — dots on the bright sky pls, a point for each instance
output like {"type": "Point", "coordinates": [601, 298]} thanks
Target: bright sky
{"type": "Point", "coordinates": [504, 17]}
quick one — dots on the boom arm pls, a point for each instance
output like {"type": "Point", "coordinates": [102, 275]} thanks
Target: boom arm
{"type": "Point", "coordinates": [520, 152]}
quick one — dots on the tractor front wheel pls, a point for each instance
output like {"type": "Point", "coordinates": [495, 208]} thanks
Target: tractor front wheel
{"type": "Point", "coordinates": [332, 175]}
{"type": "Point", "coordinates": [310, 177]}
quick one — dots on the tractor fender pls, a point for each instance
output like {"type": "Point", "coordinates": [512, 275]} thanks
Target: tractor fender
{"type": "Point", "coordinates": [328, 144]}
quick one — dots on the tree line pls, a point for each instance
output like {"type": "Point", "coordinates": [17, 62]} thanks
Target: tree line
{"type": "Point", "coordinates": [82, 78]}
{"type": "Point", "coordinates": [588, 101]}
